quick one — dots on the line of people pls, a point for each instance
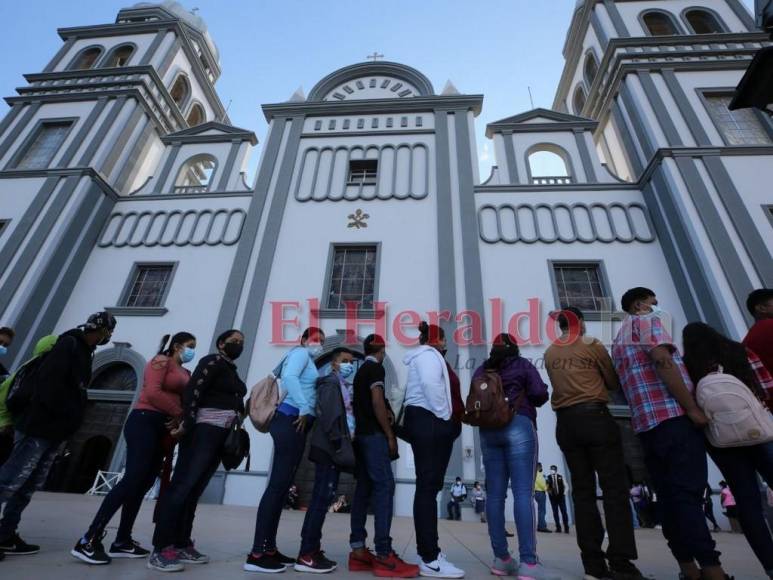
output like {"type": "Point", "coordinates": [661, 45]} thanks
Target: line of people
{"type": "Point", "coordinates": [357, 429]}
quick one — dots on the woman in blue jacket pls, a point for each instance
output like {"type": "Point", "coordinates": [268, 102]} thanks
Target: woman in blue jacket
{"type": "Point", "coordinates": [288, 429]}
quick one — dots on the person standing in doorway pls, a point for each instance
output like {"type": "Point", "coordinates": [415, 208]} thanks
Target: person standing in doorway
{"type": "Point", "coordinates": [540, 496]}
{"type": "Point", "coordinates": [581, 373]}
{"type": "Point", "coordinates": [557, 496]}
{"type": "Point", "coordinates": [669, 425]}
{"type": "Point", "coordinates": [760, 336]}
{"type": "Point", "coordinates": [458, 495]}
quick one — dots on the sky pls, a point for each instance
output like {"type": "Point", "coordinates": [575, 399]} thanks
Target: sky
{"type": "Point", "coordinates": [269, 48]}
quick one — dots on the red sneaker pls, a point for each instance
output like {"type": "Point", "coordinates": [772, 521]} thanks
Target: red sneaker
{"type": "Point", "coordinates": [361, 560]}
{"type": "Point", "coordinates": [394, 567]}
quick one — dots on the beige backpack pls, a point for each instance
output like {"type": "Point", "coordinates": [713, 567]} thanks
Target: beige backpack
{"type": "Point", "coordinates": [736, 417]}
{"type": "Point", "coordinates": [265, 397]}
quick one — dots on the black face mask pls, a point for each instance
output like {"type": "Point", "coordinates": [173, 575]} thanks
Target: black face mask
{"type": "Point", "coordinates": [233, 349]}
{"type": "Point", "coordinates": [105, 340]}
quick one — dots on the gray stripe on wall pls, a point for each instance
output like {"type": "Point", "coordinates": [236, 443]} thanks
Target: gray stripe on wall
{"type": "Point", "coordinates": [247, 243]}
{"type": "Point", "coordinates": [164, 175]}
{"type": "Point", "coordinates": [598, 29]}
{"type": "Point", "coordinates": [23, 123]}
{"type": "Point", "coordinates": [661, 112]}
{"type": "Point", "coordinates": [646, 139]}
{"type": "Point", "coordinates": [617, 19]}
{"type": "Point", "coordinates": [742, 13]}
{"type": "Point", "coordinates": [80, 138]}
{"type": "Point", "coordinates": [446, 261]}
{"type": "Point", "coordinates": [229, 165]}
{"type": "Point", "coordinates": [98, 139]}
{"type": "Point", "coordinates": [171, 52]}
{"type": "Point", "coordinates": [587, 163]}
{"type": "Point", "coordinates": [119, 146]}
{"type": "Point", "coordinates": [687, 110]}
{"type": "Point", "coordinates": [10, 116]}
{"type": "Point", "coordinates": [512, 164]}
{"type": "Point", "coordinates": [629, 148]}
{"type": "Point", "coordinates": [747, 230]}
{"type": "Point", "coordinates": [54, 287]}
{"type": "Point", "coordinates": [151, 51]}
{"type": "Point", "coordinates": [35, 242]}
{"type": "Point", "coordinates": [139, 151]}
{"type": "Point", "coordinates": [59, 54]}
{"type": "Point", "coordinates": [720, 240]}
{"type": "Point", "coordinates": [260, 277]}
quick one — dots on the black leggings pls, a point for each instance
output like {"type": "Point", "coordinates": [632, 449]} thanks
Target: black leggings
{"type": "Point", "coordinates": [143, 432]}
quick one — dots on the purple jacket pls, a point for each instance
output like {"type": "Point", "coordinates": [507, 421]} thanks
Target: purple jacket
{"type": "Point", "coordinates": [518, 374]}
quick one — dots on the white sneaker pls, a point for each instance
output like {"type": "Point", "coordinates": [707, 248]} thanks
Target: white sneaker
{"type": "Point", "coordinates": [440, 568]}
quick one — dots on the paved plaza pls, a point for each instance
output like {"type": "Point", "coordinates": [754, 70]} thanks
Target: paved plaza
{"type": "Point", "coordinates": [225, 533]}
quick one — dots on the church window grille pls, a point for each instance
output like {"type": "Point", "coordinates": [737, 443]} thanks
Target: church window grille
{"type": "Point", "coordinates": [360, 123]}
{"type": "Point", "coordinates": [196, 174]}
{"type": "Point", "coordinates": [582, 285]}
{"type": "Point", "coordinates": [86, 59]}
{"type": "Point", "coordinates": [149, 285]}
{"type": "Point", "coordinates": [591, 68]}
{"type": "Point", "coordinates": [390, 122]}
{"type": "Point", "coordinates": [741, 127]}
{"type": "Point", "coordinates": [374, 123]}
{"type": "Point", "coordinates": [579, 100]}
{"type": "Point", "coordinates": [403, 121]}
{"type": "Point", "coordinates": [119, 56]}
{"type": "Point", "coordinates": [196, 115]}
{"type": "Point", "coordinates": [181, 89]}
{"type": "Point", "coordinates": [658, 23]}
{"type": "Point", "coordinates": [331, 125]}
{"type": "Point", "coordinates": [703, 22]}
{"type": "Point", "coordinates": [419, 121]}
{"type": "Point", "coordinates": [43, 146]}
{"type": "Point", "coordinates": [362, 172]}
{"type": "Point", "coordinates": [317, 125]}
{"type": "Point", "coordinates": [347, 124]}
{"type": "Point", "coordinates": [352, 277]}
{"type": "Point", "coordinates": [372, 83]}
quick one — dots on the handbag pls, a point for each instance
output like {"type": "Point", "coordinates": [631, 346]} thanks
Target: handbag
{"type": "Point", "coordinates": [236, 447]}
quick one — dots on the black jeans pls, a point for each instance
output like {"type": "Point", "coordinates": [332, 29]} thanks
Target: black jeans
{"type": "Point", "coordinates": [675, 454]}
{"type": "Point", "coordinates": [6, 445]}
{"type": "Point", "coordinates": [197, 462]}
{"type": "Point", "coordinates": [558, 503]}
{"type": "Point", "coordinates": [454, 510]}
{"type": "Point", "coordinates": [590, 439]}
{"type": "Point", "coordinates": [708, 511]}
{"type": "Point", "coordinates": [324, 493]}
{"type": "Point", "coordinates": [289, 445]}
{"type": "Point", "coordinates": [143, 432]}
{"type": "Point", "coordinates": [740, 466]}
{"type": "Point", "coordinates": [432, 441]}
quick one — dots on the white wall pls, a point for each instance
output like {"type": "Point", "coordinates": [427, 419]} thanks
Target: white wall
{"type": "Point", "coordinates": [630, 13]}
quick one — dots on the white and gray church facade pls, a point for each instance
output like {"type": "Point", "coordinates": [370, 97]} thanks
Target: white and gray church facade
{"type": "Point", "coordinates": [122, 186]}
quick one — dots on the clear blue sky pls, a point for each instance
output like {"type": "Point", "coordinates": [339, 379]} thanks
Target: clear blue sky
{"type": "Point", "coordinates": [270, 47]}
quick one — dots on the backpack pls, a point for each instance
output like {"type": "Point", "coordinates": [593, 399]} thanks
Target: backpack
{"type": "Point", "coordinates": [736, 417]}
{"type": "Point", "coordinates": [486, 405]}
{"type": "Point", "coordinates": [265, 398]}
{"type": "Point", "coordinates": [22, 387]}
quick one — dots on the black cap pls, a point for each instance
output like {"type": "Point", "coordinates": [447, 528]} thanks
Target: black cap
{"type": "Point", "coordinates": [100, 320]}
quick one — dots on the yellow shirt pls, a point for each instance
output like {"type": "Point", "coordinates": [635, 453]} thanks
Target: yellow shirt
{"type": "Point", "coordinates": [539, 483]}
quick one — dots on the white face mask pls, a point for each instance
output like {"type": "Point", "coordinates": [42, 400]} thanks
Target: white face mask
{"type": "Point", "coordinates": [655, 309]}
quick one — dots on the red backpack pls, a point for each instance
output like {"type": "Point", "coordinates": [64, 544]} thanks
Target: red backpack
{"type": "Point", "coordinates": [487, 406]}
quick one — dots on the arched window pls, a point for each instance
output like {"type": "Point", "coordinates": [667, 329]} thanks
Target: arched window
{"type": "Point", "coordinates": [196, 174]}
{"type": "Point", "coordinates": [86, 58]}
{"type": "Point", "coordinates": [181, 89]}
{"type": "Point", "coordinates": [703, 22]}
{"type": "Point", "coordinates": [591, 68]}
{"type": "Point", "coordinates": [549, 164]}
{"type": "Point", "coordinates": [196, 115]}
{"type": "Point", "coordinates": [119, 56]}
{"type": "Point", "coordinates": [579, 100]}
{"type": "Point", "coordinates": [659, 24]}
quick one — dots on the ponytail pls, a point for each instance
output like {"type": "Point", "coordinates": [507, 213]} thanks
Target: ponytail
{"type": "Point", "coordinates": [179, 338]}
{"type": "Point", "coordinates": [430, 333]}
{"type": "Point", "coordinates": [505, 346]}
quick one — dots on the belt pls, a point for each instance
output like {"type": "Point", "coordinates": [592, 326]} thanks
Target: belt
{"type": "Point", "coordinates": [592, 406]}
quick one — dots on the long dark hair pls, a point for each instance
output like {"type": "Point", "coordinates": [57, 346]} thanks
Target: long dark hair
{"type": "Point", "coordinates": [430, 333]}
{"type": "Point", "coordinates": [505, 346]}
{"type": "Point", "coordinates": [705, 349]}
{"type": "Point", "coordinates": [167, 346]}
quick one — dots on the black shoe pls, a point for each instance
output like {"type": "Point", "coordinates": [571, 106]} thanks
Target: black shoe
{"type": "Point", "coordinates": [92, 552]}
{"type": "Point", "coordinates": [130, 549]}
{"type": "Point", "coordinates": [315, 563]}
{"type": "Point", "coordinates": [559, 530]}
{"type": "Point", "coordinates": [282, 559]}
{"type": "Point", "coordinates": [15, 546]}
{"type": "Point", "coordinates": [509, 534]}
{"type": "Point", "coordinates": [265, 564]}
{"type": "Point", "coordinates": [544, 530]}
{"type": "Point", "coordinates": [566, 530]}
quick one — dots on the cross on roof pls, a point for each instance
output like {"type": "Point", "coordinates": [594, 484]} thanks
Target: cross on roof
{"type": "Point", "coordinates": [375, 56]}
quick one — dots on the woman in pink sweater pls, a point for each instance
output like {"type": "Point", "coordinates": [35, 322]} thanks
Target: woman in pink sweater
{"type": "Point", "coordinates": [157, 411]}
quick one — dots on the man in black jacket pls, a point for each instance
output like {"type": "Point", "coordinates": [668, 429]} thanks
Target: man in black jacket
{"type": "Point", "coordinates": [557, 496]}
{"type": "Point", "coordinates": [54, 413]}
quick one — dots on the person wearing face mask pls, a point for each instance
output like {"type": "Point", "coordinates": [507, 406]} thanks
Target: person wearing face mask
{"type": "Point", "coordinates": [289, 427]}
{"type": "Point", "coordinates": [6, 338]}
{"type": "Point", "coordinates": [431, 429]}
{"type": "Point", "coordinates": [331, 451]}
{"type": "Point", "coordinates": [157, 411]}
{"type": "Point", "coordinates": [212, 401]}
{"type": "Point", "coordinates": [669, 424]}
{"type": "Point", "coordinates": [52, 416]}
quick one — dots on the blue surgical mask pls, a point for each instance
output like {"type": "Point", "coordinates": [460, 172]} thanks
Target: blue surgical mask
{"type": "Point", "coordinates": [314, 349]}
{"type": "Point", "coordinates": [188, 354]}
{"type": "Point", "coordinates": [3, 350]}
{"type": "Point", "coordinates": [345, 369]}
{"type": "Point", "coordinates": [656, 309]}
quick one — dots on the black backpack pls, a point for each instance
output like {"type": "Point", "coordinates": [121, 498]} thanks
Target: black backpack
{"type": "Point", "coordinates": [22, 387]}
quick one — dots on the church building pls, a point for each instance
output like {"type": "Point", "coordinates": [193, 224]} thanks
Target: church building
{"type": "Point", "coordinates": [123, 187]}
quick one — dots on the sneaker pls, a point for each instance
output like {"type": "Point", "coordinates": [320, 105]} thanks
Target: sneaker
{"type": "Point", "coordinates": [130, 549]}
{"type": "Point", "coordinates": [545, 530]}
{"type": "Point", "coordinates": [631, 574]}
{"type": "Point", "coordinates": [361, 560]}
{"type": "Point", "coordinates": [535, 572]}
{"type": "Point", "coordinates": [165, 560]}
{"type": "Point", "coordinates": [15, 546]}
{"type": "Point", "coordinates": [502, 567]}
{"type": "Point", "coordinates": [282, 559]}
{"type": "Point", "coordinates": [315, 563]}
{"type": "Point", "coordinates": [264, 563]}
{"type": "Point", "coordinates": [440, 568]}
{"type": "Point", "coordinates": [92, 552]}
{"type": "Point", "coordinates": [393, 567]}
{"type": "Point", "coordinates": [191, 555]}
{"type": "Point", "coordinates": [509, 534]}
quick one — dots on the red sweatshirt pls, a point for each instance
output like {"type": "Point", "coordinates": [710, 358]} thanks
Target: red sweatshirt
{"type": "Point", "coordinates": [162, 386]}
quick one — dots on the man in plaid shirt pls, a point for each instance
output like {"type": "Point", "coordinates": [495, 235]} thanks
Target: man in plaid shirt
{"type": "Point", "coordinates": [668, 422]}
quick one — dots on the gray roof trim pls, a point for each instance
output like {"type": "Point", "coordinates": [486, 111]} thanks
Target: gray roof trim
{"type": "Point", "coordinates": [62, 172]}
{"type": "Point", "coordinates": [385, 68]}
{"type": "Point", "coordinates": [560, 122]}
{"type": "Point", "coordinates": [195, 134]}
{"type": "Point", "coordinates": [395, 106]}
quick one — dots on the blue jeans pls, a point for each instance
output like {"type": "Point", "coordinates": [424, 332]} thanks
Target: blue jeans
{"type": "Point", "coordinates": [541, 498]}
{"type": "Point", "coordinates": [740, 466]}
{"type": "Point", "coordinates": [21, 475]}
{"type": "Point", "coordinates": [510, 454]}
{"type": "Point", "coordinates": [375, 486]}
{"type": "Point", "coordinates": [325, 484]}
{"type": "Point", "coordinates": [289, 445]}
{"type": "Point", "coordinates": [143, 432]}
{"type": "Point", "coordinates": [675, 454]}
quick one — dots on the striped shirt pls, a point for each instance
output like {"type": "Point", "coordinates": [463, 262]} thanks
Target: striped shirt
{"type": "Point", "coordinates": [216, 417]}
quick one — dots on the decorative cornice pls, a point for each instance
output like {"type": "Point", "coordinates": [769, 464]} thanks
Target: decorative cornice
{"type": "Point", "coordinates": [383, 68]}
{"type": "Point", "coordinates": [60, 172]}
